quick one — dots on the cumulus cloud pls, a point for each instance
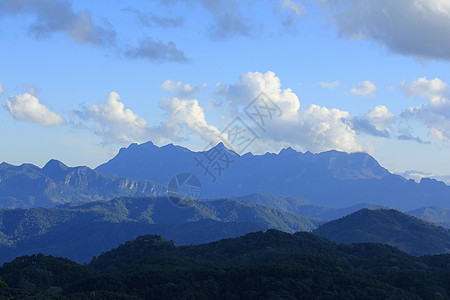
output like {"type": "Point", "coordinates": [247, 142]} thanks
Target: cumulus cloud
{"type": "Point", "coordinates": [376, 122]}
{"type": "Point", "coordinates": [54, 16]}
{"type": "Point", "coordinates": [436, 113]}
{"type": "Point", "coordinates": [114, 123]}
{"type": "Point", "coordinates": [187, 113]}
{"type": "Point", "coordinates": [364, 89]}
{"type": "Point", "coordinates": [182, 90]}
{"type": "Point", "coordinates": [26, 107]}
{"type": "Point", "coordinates": [434, 90]}
{"type": "Point", "coordinates": [316, 128]}
{"type": "Point", "coordinates": [156, 51]}
{"type": "Point", "coordinates": [329, 85]}
{"type": "Point", "coordinates": [251, 84]}
{"type": "Point", "coordinates": [417, 28]}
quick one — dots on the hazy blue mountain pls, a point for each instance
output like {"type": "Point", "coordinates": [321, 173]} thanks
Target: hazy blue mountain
{"type": "Point", "coordinates": [388, 226]}
{"type": "Point", "coordinates": [437, 215]}
{"type": "Point", "coordinates": [30, 186]}
{"type": "Point", "coordinates": [80, 231]}
{"type": "Point", "coordinates": [330, 178]}
{"type": "Point", "coordinates": [302, 207]}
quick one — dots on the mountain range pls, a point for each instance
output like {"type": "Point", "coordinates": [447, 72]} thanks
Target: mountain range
{"type": "Point", "coordinates": [30, 186]}
{"type": "Point", "coordinates": [332, 178]}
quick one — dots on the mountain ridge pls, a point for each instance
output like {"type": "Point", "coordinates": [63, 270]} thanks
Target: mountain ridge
{"type": "Point", "coordinates": [329, 178]}
{"type": "Point", "coordinates": [56, 183]}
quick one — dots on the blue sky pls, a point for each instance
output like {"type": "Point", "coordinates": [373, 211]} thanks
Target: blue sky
{"type": "Point", "coordinates": [80, 79]}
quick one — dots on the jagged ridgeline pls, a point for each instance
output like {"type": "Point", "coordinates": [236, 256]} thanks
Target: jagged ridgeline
{"type": "Point", "coordinates": [331, 178]}
{"type": "Point", "coordinates": [30, 186]}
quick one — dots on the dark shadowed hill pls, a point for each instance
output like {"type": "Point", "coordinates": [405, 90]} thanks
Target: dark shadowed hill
{"type": "Point", "coordinates": [330, 178]}
{"type": "Point", "coordinates": [388, 226]}
{"type": "Point", "coordinates": [269, 265]}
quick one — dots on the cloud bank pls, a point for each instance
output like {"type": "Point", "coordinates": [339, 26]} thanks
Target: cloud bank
{"type": "Point", "coordinates": [416, 28]}
{"type": "Point", "coordinates": [54, 16]}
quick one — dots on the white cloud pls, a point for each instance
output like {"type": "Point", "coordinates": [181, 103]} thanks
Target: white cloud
{"type": "Point", "coordinates": [364, 89]}
{"type": "Point", "coordinates": [26, 107]}
{"type": "Point", "coordinates": [1, 89]}
{"type": "Point", "coordinates": [250, 85]}
{"type": "Point", "coordinates": [188, 113]}
{"type": "Point", "coordinates": [436, 114]}
{"type": "Point", "coordinates": [329, 85]}
{"type": "Point", "coordinates": [381, 117]}
{"type": "Point", "coordinates": [435, 90]}
{"type": "Point", "coordinates": [185, 112]}
{"type": "Point", "coordinates": [417, 28]}
{"type": "Point", "coordinates": [316, 128]}
{"type": "Point", "coordinates": [182, 90]}
{"type": "Point", "coordinates": [376, 122]}
{"type": "Point", "coordinates": [114, 123]}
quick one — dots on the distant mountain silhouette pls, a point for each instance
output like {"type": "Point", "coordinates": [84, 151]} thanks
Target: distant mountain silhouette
{"type": "Point", "coordinates": [332, 178]}
{"type": "Point", "coordinates": [388, 226]}
{"type": "Point", "coordinates": [437, 215]}
{"type": "Point", "coordinates": [30, 186]}
{"type": "Point", "coordinates": [302, 207]}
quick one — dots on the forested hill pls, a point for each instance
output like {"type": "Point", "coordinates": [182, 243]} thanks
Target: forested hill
{"type": "Point", "coordinates": [388, 226]}
{"type": "Point", "coordinates": [80, 231]}
{"type": "Point", "coordinates": [259, 265]}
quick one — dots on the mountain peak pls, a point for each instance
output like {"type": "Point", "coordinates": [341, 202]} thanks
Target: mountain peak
{"type": "Point", "coordinates": [221, 147]}
{"type": "Point", "coordinates": [55, 164]}
{"type": "Point", "coordinates": [288, 150]}
{"type": "Point", "coordinates": [55, 169]}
